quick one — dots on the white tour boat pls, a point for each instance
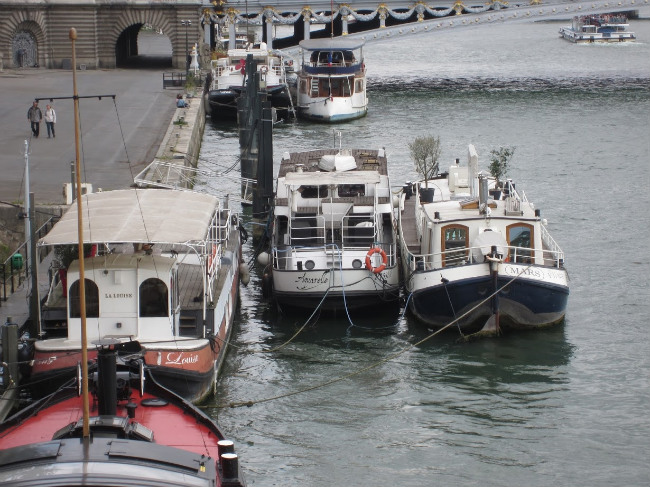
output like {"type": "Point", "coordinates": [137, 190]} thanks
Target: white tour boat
{"type": "Point", "coordinates": [334, 232]}
{"type": "Point", "coordinates": [332, 80]}
{"type": "Point", "coordinates": [228, 80]}
{"type": "Point", "coordinates": [161, 277]}
{"type": "Point", "coordinates": [473, 240]}
{"type": "Point", "coordinates": [598, 28]}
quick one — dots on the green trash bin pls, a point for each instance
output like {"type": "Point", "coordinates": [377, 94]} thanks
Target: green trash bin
{"type": "Point", "coordinates": [17, 261]}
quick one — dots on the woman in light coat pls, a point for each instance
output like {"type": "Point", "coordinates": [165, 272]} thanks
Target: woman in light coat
{"type": "Point", "coordinates": [50, 120]}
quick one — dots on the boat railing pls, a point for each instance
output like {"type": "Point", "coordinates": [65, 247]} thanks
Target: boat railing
{"type": "Point", "coordinates": [338, 256]}
{"type": "Point", "coordinates": [553, 248]}
{"type": "Point", "coordinates": [358, 231]}
{"type": "Point", "coordinates": [307, 231]}
{"type": "Point", "coordinates": [16, 268]}
{"type": "Point", "coordinates": [549, 257]}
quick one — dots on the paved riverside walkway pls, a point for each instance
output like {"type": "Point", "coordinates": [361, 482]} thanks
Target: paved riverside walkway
{"type": "Point", "coordinates": [144, 114]}
{"type": "Point", "coordinates": [144, 111]}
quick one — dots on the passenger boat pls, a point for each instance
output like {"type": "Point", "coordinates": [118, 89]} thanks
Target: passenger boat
{"type": "Point", "coordinates": [131, 432]}
{"type": "Point", "coordinates": [480, 255]}
{"type": "Point", "coordinates": [332, 80]}
{"type": "Point", "coordinates": [228, 80]}
{"type": "Point", "coordinates": [162, 275]}
{"type": "Point", "coordinates": [598, 28]}
{"type": "Point", "coordinates": [333, 241]}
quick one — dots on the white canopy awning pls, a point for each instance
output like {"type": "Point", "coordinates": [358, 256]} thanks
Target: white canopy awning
{"type": "Point", "coordinates": [337, 178]}
{"type": "Point", "coordinates": [139, 216]}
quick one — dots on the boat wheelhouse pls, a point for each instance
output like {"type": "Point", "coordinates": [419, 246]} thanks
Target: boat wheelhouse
{"type": "Point", "coordinates": [332, 80]}
{"type": "Point", "coordinates": [480, 254]}
{"type": "Point", "coordinates": [333, 241]}
{"type": "Point", "coordinates": [161, 273]}
{"type": "Point", "coordinates": [598, 28]}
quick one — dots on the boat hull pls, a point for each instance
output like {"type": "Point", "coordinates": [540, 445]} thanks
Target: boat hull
{"type": "Point", "coordinates": [585, 38]}
{"type": "Point", "coordinates": [350, 289]}
{"type": "Point", "coordinates": [331, 111]}
{"type": "Point", "coordinates": [537, 298]}
{"type": "Point", "coordinates": [223, 103]}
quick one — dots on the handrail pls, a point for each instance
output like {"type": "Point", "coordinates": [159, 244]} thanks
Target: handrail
{"type": "Point", "coordinates": [514, 255]}
{"type": "Point", "coordinates": [23, 273]}
{"type": "Point", "coordinates": [284, 254]}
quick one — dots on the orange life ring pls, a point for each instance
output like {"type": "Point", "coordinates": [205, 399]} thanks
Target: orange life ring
{"type": "Point", "coordinates": [384, 260]}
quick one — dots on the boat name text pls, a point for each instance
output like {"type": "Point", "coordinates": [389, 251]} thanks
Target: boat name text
{"type": "Point", "coordinates": [118, 295]}
{"type": "Point", "coordinates": [178, 358]}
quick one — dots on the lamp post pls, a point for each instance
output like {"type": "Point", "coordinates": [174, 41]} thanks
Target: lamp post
{"type": "Point", "coordinates": [186, 23]}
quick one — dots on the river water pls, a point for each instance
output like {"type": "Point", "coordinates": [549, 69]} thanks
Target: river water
{"type": "Point", "coordinates": [563, 406]}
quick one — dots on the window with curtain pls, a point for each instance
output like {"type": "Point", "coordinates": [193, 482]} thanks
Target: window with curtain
{"type": "Point", "coordinates": [454, 237]}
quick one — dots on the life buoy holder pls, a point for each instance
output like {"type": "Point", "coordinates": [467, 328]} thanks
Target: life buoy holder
{"type": "Point", "coordinates": [384, 260]}
{"type": "Point", "coordinates": [264, 69]}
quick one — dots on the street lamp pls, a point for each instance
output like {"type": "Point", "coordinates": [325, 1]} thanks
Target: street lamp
{"type": "Point", "coordinates": [186, 23]}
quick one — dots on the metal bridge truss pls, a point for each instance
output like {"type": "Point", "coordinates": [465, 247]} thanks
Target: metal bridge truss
{"type": "Point", "coordinates": [425, 18]}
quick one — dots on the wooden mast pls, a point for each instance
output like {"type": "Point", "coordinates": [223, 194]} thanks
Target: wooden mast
{"type": "Point", "coordinates": [82, 275]}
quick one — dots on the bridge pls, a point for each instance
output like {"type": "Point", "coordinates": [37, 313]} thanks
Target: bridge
{"type": "Point", "coordinates": [35, 32]}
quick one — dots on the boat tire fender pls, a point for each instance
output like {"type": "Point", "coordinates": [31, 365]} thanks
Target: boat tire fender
{"type": "Point", "coordinates": [384, 260]}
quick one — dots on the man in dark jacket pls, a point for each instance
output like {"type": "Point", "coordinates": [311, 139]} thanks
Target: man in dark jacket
{"type": "Point", "coordinates": [34, 115]}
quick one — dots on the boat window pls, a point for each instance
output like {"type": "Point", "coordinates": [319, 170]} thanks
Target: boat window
{"type": "Point", "coordinates": [358, 86]}
{"type": "Point", "coordinates": [313, 191]}
{"type": "Point", "coordinates": [347, 190]}
{"type": "Point", "coordinates": [520, 235]}
{"type": "Point", "coordinates": [153, 298]}
{"type": "Point", "coordinates": [92, 300]}
{"type": "Point", "coordinates": [454, 237]}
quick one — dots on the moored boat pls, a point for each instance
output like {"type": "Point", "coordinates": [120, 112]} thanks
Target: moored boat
{"type": "Point", "coordinates": [598, 28]}
{"type": "Point", "coordinates": [161, 275]}
{"type": "Point", "coordinates": [228, 80]}
{"type": "Point", "coordinates": [332, 80]}
{"type": "Point", "coordinates": [132, 432]}
{"type": "Point", "coordinates": [476, 240]}
{"type": "Point", "coordinates": [333, 241]}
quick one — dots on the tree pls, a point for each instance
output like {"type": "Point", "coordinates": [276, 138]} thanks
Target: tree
{"type": "Point", "coordinates": [499, 161]}
{"type": "Point", "coordinates": [425, 152]}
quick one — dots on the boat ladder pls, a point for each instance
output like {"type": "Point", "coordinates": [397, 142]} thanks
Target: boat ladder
{"type": "Point", "coordinates": [334, 258]}
{"type": "Point", "coordinates": [292, 109]}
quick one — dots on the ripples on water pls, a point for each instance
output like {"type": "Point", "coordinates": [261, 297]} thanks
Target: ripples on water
{"type": "Point", "coordinates": [567, 405]}
{"type": "Point", "coordinates": [419, 86]}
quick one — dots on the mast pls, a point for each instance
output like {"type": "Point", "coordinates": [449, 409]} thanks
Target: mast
{"type": "Point", "coordinates": [82, 274]}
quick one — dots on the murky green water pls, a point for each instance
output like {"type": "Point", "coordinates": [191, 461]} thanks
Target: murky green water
{"type": "Point", "coordinates": [563, 406]}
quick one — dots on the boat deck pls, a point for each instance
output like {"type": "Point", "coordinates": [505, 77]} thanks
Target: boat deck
{"type": "Point", "coordinates": [409, 233]}
{"type": "Point", "coordinates": [366, 159]}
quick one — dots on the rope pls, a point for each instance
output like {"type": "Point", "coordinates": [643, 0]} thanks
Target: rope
{"type": "Point", "coordinates": [374, 364]}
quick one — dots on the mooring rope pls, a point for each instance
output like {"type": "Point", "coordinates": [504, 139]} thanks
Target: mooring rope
{"type": "Point", "coordinates": [373, 365]}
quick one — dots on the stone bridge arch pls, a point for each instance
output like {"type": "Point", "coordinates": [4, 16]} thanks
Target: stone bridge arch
{"type": "Point", "coordinates": [24, 33]}
{"type": "Point", "coordinates": [119, 41]}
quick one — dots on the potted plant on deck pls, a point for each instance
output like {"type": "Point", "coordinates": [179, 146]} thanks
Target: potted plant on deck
{"type": "Point", "coordinates": [425, 152]}
{"type": "Point", "coordinates": [499, 161]}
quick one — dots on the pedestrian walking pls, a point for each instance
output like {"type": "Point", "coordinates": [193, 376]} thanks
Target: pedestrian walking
{"type": "Point", "coordinates": [34, 115]}
{"type": "Point", "coordinates": [50, 120]}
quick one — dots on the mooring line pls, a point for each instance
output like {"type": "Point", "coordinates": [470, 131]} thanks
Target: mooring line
{"type": "Point", "coordinates": [374, 364]}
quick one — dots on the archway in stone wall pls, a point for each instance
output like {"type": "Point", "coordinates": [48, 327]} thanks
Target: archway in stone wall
{"type": "Point", "coordinates": [24, 46]}
{"type": "Point", "coordinates": [143, 46]}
